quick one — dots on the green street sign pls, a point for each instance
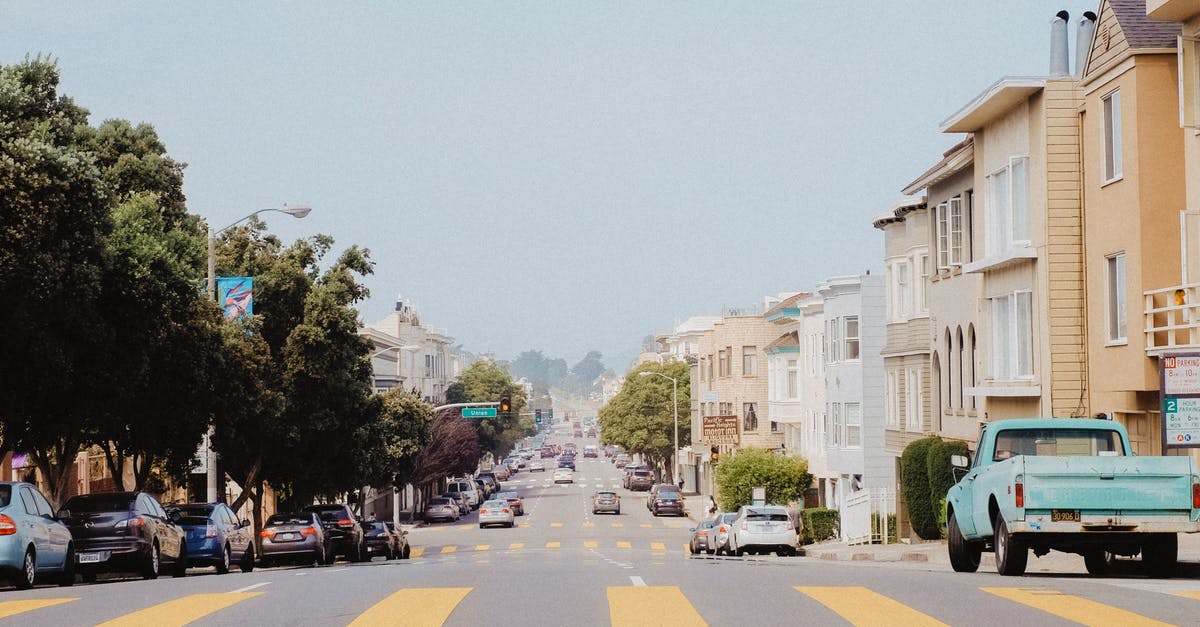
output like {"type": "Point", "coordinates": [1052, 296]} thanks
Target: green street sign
{"type": "Point", "coordinates": [479, 412]}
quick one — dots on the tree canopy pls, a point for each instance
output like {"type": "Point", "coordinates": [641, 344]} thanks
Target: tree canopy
{"type": "Point", "coordinates": [641, 417]}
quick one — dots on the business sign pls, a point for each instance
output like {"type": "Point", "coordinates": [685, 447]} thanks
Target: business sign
{"type": "Point", "coordinates": [719, 430]}
{"type": "Point", "coordinates": [235, 294]}
{"type": "Point", "coordinates": [1180, 393]}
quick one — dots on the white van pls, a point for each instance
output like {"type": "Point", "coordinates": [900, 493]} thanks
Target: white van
{"type": "Point", "coordinates": [469, 487]}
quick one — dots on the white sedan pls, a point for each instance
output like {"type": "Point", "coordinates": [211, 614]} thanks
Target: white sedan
{"type": "Point", "coordinates": [564, 475]}
{"type": "Point", "coordinates": [496, 512]}
{"type": "Point", "coordinates": [537, 467]}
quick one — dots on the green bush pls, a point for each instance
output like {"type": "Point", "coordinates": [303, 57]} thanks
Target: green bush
{"type": "Point", "coordinates": [785, 478]}
{"type": "Point", "coordinates": [941, 475]}
{"type": "Point", "coordinates": [877, 528]}
{"type": "Point", "coordinates": [914, 485]}
{"type": "Point", "coordinates": [819, 524]}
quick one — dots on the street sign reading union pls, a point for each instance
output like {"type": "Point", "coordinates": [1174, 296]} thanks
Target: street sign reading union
{"type": "Point", "coordinates": [719, 430]}
{"type": "Point", "coordinates": [479, 412]}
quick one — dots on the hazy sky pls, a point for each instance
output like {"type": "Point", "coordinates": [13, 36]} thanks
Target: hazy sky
{"type": "Point", "coordinates": [563, 176]}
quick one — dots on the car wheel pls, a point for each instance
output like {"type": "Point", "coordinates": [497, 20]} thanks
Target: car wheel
{"type": "Point", "coordinates": [481, 525]}
{"type": "Point", "coordinates": [151, 562]}
{"type": "Point", "coordinates": [407, 552]}
{"type": "Point", "coordinates": [179, 568]}
{"type": "Point", "coordinates": [363, 554]}
{"type": "Point", "coordinates": [739, 551]}
{"type": "Point", "coordinates": [1096, 562]}
{"type": "Point", "coordinates": [709, 551]}
{"type": "Point", "coordinates": [67, 576]}
{"type": "Point", "coordinates": [266, 562]}
{"type": "Point", "coordinates": [28, 573]}
{"type": "Point", "coordinates": [89, 576]}
{"type": "Point", "coordinates": [964, 555]}
{"type": "Point", "coordinates": [247, 564]}
{"type": "Point", "coordinates": [692, 548]}
{"type": "Point", "coordinates": [1011, 554]}
{"type": "Point", "coordinates": [226, 559]}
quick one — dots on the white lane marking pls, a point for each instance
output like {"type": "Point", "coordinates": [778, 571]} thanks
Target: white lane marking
{"type": "Point", "coordinates": [249, 588]}
{"type": "Point", "coordinates": [337, 570]}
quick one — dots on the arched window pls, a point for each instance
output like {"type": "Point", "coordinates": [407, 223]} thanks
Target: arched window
{"type": "Point", "coordinates": [936, 373]}
{"type": "Point", "coordinates": [974, 380]}
{"type": "Point", "coordinates": [948, 349]}
{"type": "Point", "coordinates": [962, 379]}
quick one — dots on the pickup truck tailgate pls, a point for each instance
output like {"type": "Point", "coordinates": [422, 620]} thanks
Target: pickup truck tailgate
{"type": "Point", "coordinates": [1108, 483]}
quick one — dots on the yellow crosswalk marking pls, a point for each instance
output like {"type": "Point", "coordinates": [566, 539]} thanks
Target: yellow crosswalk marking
{"type": "Point", "coordinates": [516, 545]}
{"type": "Point", "coordinates": [555, 524]}
{"type": "Point", "coordinates": [590, 544]}
{"type": "Point", "coordinates": [621, 544]}
{"type": "Point", "coordinates": [482, 547]}
{"type": "Point", "coordinates": [617, 524]}
{"type": "Point", "coordinates": [657, 546]}
{"type": "Point", "coordinates": [553, 545]}
{"type": "Point", "coordinates": [523, 525]}
{"type": "Point", "coordinates": [645, 525]}
{"type": "Point", "coordinates": [664, 606]}
{"type": "Point", "coordinates": [12, 608]}
{"type": "Point", "coordinates": [861, 606]}
{"type": "Point", "coordinates": [1071, 607]}
{"type": "Point", "coordinates": [589, 524]}
{"type": "Point", "coordinates": [416, 551]}
{"type": "Point", "coordinates": [449, 549]}
{"type": "Point", "coordinates": [181, 611]}
{"type": "Point", "coordinates": [413, 606]}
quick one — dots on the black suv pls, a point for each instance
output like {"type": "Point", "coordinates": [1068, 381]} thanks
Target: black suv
{"type": "Point", "coordinates": [344, 530]}
{"type": "Point", "coordinates": [124, 532]}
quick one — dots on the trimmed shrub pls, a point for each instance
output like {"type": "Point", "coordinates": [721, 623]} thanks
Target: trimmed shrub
{"type": "Point", "coordinates": [941, 475]}
{"type": "Point", "coordinates": [785, 478]}
{"type": "Point", "coordinates": [819, 524]}
{"type": "Point", "coordinates": [914, 485]}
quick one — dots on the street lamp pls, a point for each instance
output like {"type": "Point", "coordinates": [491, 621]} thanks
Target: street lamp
{"type": "Point", "coordinates": [296, 211]}
{"type": "Point", "coordinates": [675, 403]}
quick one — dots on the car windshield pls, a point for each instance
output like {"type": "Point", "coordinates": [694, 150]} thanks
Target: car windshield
{"type": "Point", "coordinates": [100, 503]}
{"type": "Point", "coordinates": [496, 504]}
{"type": "Point", "coordinates": [289, 519]}
{"type": "Point", "coordinates": [194, 511]}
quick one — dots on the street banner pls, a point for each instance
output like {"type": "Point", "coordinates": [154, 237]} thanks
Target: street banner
{"type": "Point", "coordinates": [236, 296]}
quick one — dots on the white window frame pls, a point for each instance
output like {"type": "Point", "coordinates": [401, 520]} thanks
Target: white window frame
{"type": "Point", "coordinates": [948, 238]}
{"type": "Point", "coordinates": [1110, 129]}
{"type": "Point", "coordinates": [792, 379]}
{"type": "Point", "coordinates": [914, 401]}
{"type": "Point", "coordinates": [834, 429]}
{"type": "Point", "coordinates": [833, 340]}
{"type": "Point", "coordinates": [851, 340]}
{"type": "Point", "coordinates": [1116, 300]}
{"type": "Point", "coordinates": [892, 394]}
{"type": "Point", "coordinates": [1008, 206]}
{"type": "Point", "coordinates": [921, 301]}
{"type": "Point", "coordinates": [750, 358]}
{"type": "Point", "coordinates": [1011, 321]}
{"type": "Point", "coordinates": [852, 425]}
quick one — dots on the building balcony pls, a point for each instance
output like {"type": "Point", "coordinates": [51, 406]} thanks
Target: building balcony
{"type": "Point", "coordinates": [1172, 319]}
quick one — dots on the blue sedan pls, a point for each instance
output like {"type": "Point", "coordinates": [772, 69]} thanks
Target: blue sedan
{"type": "Point", "coordinates": [216, 537]}
{"type": "Point", "coordinates": [33, 545]}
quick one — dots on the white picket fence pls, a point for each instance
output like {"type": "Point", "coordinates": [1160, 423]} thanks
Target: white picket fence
{"type": "Point", "coordinates": [865, 517]}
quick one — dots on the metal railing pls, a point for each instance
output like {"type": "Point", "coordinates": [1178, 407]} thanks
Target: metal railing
{"type": "Point", "coordinates": [1172, 318]}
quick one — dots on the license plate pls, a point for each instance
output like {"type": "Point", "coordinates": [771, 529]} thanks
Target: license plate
{"type": "Point", "coordinates": [1064, 515]}
{"type": "Point", "coordinates": [92, 558]}
{"type": "Point", "coordinates": [286, 536]}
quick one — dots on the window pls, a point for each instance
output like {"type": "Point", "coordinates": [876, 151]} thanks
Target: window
{"type": "Point", "coordinates": [775, 427]}
{"type": "Point", "coordinates": [1008, 193]}
{"type": "Point", "coordinates": [722, 363]}
{"type": "Point", "coordinates": [923, 283]}
{"type": "Point", "coordinates": [913, 400]}
{"type": "Point", "coordinates": [750, 417]}
{"type": "Point", "coordinates": [1112, 136]}
{"type": "Point", "coordinates": [853, 416]}
{"type": "Point", "coordinates": [1012, 336]}
{"type": "Point", "coordinates": [30, 504]}
{"type": "Point", "coordinates": [948, 217]}
{"type": "Point", "coordinates": [842, 339]}
{"type": "Point", "coordinates": [892, 397]}
{"type": "Point", "coordinates": [833, 335]}
{"type": "Point", "coordinates": [1116, 299]}
{"type": "Point", "coordinates": [851, 331]}
{"type": "Point", "coordinates": [833, 428]}
{"type": "Point", "coordinates": [749, 363]}
{"type": "Point", "coordinates": [904, 287]}
{"type": "Point", "coordinates": [793, 379]}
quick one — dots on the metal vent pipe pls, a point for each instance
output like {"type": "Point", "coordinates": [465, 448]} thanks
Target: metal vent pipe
{"type": "Point", "coordinates": [1060, 57]}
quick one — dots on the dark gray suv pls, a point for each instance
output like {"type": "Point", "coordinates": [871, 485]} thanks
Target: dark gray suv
{"type": "Point", "coordinates": [344, 530]}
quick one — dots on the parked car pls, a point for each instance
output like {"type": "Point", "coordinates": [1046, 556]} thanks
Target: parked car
{"type": "Point", "coordinates": [34, 546]}
{"type": "Point", "coordinates": [468, 487]}
{"type": "Point", "coordinates": [496, 512]}
{"type": "Point", "coordinates": [760, 529]}
{"type": "Point", "coordinates": [460, 499]}
{"type": "Point", "coordinates": [621, 460]}
{"type": "Point", "coordinates": [665, 499]}
{"type": "Point", "coordinates": [124, 532]}
{"type": "Point", "coordinates": [484, 488]}
{"type": "Point", "coordinates": [491, 479]}
{"type": "Point", "coordinates": [216, 536]}
{"type": "Point", "coordinates": [564, 475]}
{"type": "Point", "coordinates": [441, 508]}
{"type": "Point", "coordinates": [591, 451]}
{"type": "Point", "coordinates": [501, 472]}
{"type": "Point", "coordinates": [514, 501]}
{"type": "Point", "coordinates": [344, 531]}
{"type": "Point", "coordinates": [722, 526]}
{"type": "Point", "coordinates": [703, 537]}
{"type": "Point", "coordinates": [537, 467]}
{"type": "Point", "coordinates": [640, 480]}
{"type": "Point", "coordinates": [402, 549]}
{"type": "Point", "coordinates": [379, 540]}
{"type": "Point", "coordinates": [295, 537]}
{"type": "Point", "coordinates": [605, 501]}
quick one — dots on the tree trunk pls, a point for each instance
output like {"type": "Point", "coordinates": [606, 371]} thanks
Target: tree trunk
{"type": "Point", "coordinates": [115, 462]}
{"type": "Point", "coordinates": [251, 480]}
{"type": "Point", "coordinates": [255, 494]}
{"type": "Point", "coordinates": [56, 468]}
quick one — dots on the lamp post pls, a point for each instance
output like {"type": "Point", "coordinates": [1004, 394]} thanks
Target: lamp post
{"type": "Point", "coordinates": [296, 211]}
{"type": "Point", "coordinates": [675, 405]}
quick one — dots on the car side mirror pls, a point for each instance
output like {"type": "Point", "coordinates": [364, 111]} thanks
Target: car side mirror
{"type": "Point", "coordinates": [693, 530]}
{"type": "Point", "coordinates": [63, 514]}
{"type": "Point", "coordinates": [958, 461]}
{"type": "Point", "coordinates": [244, 523]}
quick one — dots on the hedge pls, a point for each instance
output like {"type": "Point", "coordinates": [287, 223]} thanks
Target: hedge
{"type": "Point", "coordinates": [914, 485]}
{"type": "Point", "coordinates": [819, 524]}
{"type": "Point", "coordinates": [941, 475]}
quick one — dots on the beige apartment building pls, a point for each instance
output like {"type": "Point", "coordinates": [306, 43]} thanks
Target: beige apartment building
{"type": "Point", "coordinates": [729, 379]}
{"type": "Point", "coordinates": [1134, 189]}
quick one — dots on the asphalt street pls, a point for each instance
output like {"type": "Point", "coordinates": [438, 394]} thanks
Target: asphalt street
{"type": "Point", "coordinates": [562, 565]}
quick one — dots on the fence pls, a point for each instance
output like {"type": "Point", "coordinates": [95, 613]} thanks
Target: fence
{"type": "Point", "coordinates": [869, 516]}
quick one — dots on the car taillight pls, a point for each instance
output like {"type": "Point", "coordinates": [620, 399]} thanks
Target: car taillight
{"type": "Point", "coordinates": [483, 511]}
{"type": "Point", "coordinates": [659, 501]}
{"type": "Point", "coordinates": [1196, 496]}
{"type": "Point", "coordinates": [345, 523]}
{"type": "Point", "coordinates": [308, 531]}
{"type": "Point", "coordinates": [7, 526]}
{"type": "Point", "coordinates": [136, 521]}
{"type": "Point", "coordinates": [1019, 493]}
{"type": "Point", "coordinates": [210, 531]}
{"type": "Point", "coordinates": [504, 511]}
{"type": "Point", "coordinates": [267, 533]}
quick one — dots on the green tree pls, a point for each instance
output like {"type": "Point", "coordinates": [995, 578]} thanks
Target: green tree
{"type": "Point", "coordinates": [486, 381]}
{"type": "Point", "coordinates": [391, 444]}
{"type": "Point", "coordinates": [641, 416]}
{"type": "Point", "coordinates": [785, 478]}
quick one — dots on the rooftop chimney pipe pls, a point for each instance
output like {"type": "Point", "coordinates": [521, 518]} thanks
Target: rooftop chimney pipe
{"type": "Point", "coordinates": [1060, 57]}
{"type": "Point", "coordinates": [1083, 41]}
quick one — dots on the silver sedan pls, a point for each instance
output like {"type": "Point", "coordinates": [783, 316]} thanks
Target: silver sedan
{"type": "Point", "coordinates": [496, 512]}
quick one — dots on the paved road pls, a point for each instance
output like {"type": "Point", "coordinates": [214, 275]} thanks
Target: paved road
{"type": "Point", "coordinates": [564, 566]}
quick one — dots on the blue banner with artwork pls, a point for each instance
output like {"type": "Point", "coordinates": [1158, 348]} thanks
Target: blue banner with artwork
{"type": "Point", "coordinates": [236, 296]}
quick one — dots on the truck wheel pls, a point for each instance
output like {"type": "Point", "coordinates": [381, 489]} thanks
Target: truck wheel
{"type": "Point", "coordinates": [964, 555]}
{"type": "Point", "coordinates": [1097, 562]}
{"type": "Point", "coordinates": [1160, 554]}
{"type": "Point", "coordinates": [1011, 554]}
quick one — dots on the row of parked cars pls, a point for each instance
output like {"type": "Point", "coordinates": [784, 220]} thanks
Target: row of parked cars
{"type": "Point", "coordinates": [754, 529]}
{"type": "Point", "coordinates": [131, 532]}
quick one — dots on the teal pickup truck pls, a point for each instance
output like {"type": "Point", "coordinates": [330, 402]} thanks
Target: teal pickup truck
{"type": "Point", "coordinates": [1070, 485]}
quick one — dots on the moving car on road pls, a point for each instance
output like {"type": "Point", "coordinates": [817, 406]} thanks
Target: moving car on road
{"type": "Point", "coordinates": [441, 508]}
{"type": "Point", "coordinates": [33, 545]}
{"type": "Point", "coordinates": [665, 498]}
{"type": "Point", "coordinates": [496, 512]}
{"type": "Point", "coordinates": [344, 531]}
{"type": "Point", "coordinates": [606, 501]}
{"type": "Point", "coordinates": [124, 532]}
{"type": "Point", "coordinates": [640, 480]}
{"type": "Point", "coordinates": [537, 466]}
{"type": "Point", "coordinates": [761, 529]}
{"type": "Point", "coordinates": [514, 501]}
{"type": "Point", "coordinates": [215, 536]}
{"type": "Point", "coordinates": [295, 537]}
{"type": "Point", "coordinates": [564, 475]}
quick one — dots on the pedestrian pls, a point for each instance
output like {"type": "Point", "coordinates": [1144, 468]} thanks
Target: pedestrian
{"type": "Point", "coordinates": [712, 506]}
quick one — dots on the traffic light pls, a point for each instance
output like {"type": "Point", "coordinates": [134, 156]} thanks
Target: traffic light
{"type": "Point", "coordinates": [537, 416]}
{"type": "Point", "coordinates": [505, 404]}
{"type": "Point", "coordinates": [716, 455]}
{"type": "Point", "coordinates": [551, 410]}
